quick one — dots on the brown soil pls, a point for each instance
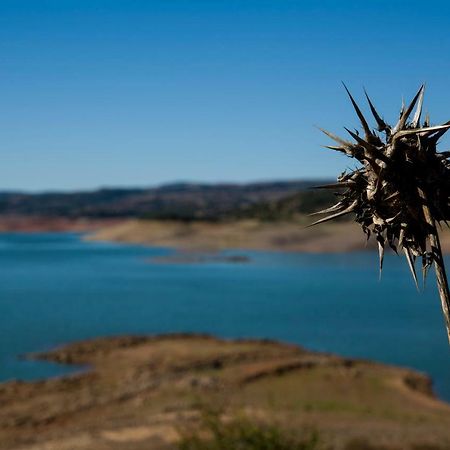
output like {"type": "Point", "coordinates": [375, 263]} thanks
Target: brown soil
{"type": "Point", "coordinates": [249, 234]}
{"type": "Point", "coordinates": [141, 390]}
{"type": "Point", "coordinates": [201, 236]}
{"type": "Point", "coordinates": [31, 224]}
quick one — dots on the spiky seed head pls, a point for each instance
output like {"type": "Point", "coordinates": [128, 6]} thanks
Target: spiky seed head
{"type": "Point", "coordinates": [400, 171]}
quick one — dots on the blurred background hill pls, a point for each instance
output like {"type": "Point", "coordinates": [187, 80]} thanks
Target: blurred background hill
{"type": "Point", "coordinates": [276, 200]}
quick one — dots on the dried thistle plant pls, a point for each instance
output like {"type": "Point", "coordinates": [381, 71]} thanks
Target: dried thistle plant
{"type": "Point", "coordinates": [401, 190]}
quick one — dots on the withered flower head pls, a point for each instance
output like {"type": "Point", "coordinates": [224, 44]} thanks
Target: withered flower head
{"type": "Point", "coordinates": [401, 189]}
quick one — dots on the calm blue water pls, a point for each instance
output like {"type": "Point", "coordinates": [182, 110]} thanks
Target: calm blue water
{"type": "Point", "coordinates": [54, 288]}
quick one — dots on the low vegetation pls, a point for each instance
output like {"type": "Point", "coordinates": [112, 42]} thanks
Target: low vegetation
{"type": "Point", "coordinates": [245, 434]}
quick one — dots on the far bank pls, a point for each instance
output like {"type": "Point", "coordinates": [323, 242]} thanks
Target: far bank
{"type": "Point", "coordinates": [289, 236]}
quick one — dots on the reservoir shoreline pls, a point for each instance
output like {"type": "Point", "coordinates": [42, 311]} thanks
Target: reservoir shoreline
{"type": "Point", "coordinates": [139, 391]}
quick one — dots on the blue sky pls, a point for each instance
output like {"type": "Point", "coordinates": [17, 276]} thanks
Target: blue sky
{"type": "Point", "coordinates": [132, 93]}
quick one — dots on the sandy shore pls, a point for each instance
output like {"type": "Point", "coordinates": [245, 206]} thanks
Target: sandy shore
{"type": "Point", "coordinates": [210, 237]}
{"type": "Point", "coordinates": [281, 236]}
{"type": "Point", "coordinates": [140, 391]}
{"type": "Point", "coordinates": [249, 234]}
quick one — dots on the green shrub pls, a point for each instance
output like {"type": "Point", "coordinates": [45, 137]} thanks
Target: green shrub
{"type": "Point", "coordinates": [244, 434]}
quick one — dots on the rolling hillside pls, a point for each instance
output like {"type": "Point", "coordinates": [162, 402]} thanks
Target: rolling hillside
{"type": "Point", "coordinates": [182, 201]}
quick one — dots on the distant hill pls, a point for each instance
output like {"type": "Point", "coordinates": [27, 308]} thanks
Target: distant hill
{"type": "Point", "coordinates": [181, 201]}
{"type": "Point", "coordinates": [288, 207]}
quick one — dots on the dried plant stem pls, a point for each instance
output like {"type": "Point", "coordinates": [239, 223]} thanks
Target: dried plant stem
{"type": "Point", "coordinates": [441, 276]}
{"type": "Point", "coordinates": [441, 281]}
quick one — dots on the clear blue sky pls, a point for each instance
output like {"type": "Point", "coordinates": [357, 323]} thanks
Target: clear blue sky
{"type": "Point", "coordinates": [130, 93]}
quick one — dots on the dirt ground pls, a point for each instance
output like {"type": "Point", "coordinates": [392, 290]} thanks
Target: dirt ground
{"type": "Point", "coordinates": [138, 392]}
{"type": "Point", "coordinates": [249, 234]}
{"type": "Point", "coordinates": [203, 236]}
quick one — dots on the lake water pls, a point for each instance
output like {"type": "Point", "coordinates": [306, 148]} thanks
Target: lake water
{"type": "Point", "coordinates": [55, 288]}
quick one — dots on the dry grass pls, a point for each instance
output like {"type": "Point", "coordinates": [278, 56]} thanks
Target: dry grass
{"type": "Point", "coordinates": [202, 236]}
{"type": "Point", "coordinates": [248, 234]}
{"type": "Point", "coordinates": [142, 390]}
